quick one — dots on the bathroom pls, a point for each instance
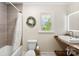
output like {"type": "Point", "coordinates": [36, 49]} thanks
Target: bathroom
{"type": "Point", "coordinates": [45, 39]}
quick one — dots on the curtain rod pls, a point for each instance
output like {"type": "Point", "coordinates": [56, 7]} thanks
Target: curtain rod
{"type": "Point", "coordinates": [15, 7]}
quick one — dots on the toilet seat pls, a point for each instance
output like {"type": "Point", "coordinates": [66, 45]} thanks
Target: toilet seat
{"type": "Point", "coordinates": [30, 53]}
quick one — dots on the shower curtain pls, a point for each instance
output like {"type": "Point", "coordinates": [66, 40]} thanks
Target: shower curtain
{"type": "Point", "coordinates": [18, 32]}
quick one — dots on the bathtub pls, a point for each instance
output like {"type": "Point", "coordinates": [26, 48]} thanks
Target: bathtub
{"type": "Point", "coordinates": [7, 51]}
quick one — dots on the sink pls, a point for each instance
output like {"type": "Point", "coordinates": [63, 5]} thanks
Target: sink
{"type": "Point", "coordinates": [69, 39]}
{"type": "Point", "coordinates": [74, 40]}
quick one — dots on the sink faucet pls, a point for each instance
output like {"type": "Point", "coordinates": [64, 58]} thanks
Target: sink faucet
{"type": "Point", "coordinates": [71, 33]}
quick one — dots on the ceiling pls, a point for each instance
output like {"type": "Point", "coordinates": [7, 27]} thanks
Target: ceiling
{"type": "Point", "coordinates": [13, 2]}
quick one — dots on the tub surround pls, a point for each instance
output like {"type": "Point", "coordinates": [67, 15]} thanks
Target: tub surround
{"type": "Point", "coordinates": [11, 22]}
{"type": "Point", "coordinates": [3, 24]}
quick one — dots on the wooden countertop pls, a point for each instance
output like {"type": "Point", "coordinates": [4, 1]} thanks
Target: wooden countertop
{"type": "Point", "coordinates": [75, 45]}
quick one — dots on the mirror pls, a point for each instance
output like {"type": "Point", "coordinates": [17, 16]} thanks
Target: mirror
{"type": "Point", "coordinates": [73, 22]}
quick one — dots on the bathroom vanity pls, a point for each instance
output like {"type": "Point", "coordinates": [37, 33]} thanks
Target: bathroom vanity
{"type": "Point", "coordinates": [70, 41]}
{"type": "Point", "coordinates": [74, 42]}
{"type": "Point", "coordinates": [67, 41]}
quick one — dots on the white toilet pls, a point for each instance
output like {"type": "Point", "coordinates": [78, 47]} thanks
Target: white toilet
{"type": "Point", "coordinates": [31, 46]}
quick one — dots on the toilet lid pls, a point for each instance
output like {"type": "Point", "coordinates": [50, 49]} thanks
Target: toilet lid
{"type": "Point", "coordinates": [30, 53]}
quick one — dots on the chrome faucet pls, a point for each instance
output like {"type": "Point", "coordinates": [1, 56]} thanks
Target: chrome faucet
{"type": "Point", "coordinates": [71, 33]}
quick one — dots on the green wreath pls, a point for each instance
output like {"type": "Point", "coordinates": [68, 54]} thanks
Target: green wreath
{"type": "Point", "coordinates": [31, 21]}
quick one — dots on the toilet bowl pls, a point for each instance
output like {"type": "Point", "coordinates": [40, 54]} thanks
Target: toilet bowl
{"type": "Point", "coordinates": [31, 45]}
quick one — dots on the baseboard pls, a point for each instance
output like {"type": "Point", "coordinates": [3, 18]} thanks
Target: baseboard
{"type": "Point", "coordinates": [49, 53]}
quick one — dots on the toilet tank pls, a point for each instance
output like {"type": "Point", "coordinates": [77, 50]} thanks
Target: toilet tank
{"type": "Point", "coordinates": [31, 44]}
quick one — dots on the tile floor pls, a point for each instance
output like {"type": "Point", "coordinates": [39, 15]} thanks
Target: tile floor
{"type": "Point", "coordinates": [48, 54]}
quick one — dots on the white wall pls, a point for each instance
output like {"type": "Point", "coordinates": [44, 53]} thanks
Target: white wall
{"type": "Point", "coordinates": [72, 7]}
{"type": "Point", "coordinates": [46, 42]}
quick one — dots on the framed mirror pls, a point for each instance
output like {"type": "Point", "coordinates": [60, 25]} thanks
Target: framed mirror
{"type": "Point", "coordinates": [73, 21]}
